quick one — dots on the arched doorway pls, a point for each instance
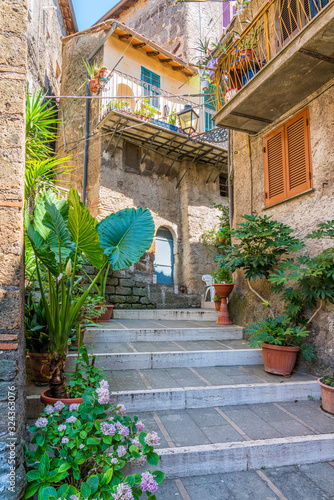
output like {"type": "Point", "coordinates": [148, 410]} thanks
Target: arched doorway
{"type": "Point", "coordinates": [164, 257]}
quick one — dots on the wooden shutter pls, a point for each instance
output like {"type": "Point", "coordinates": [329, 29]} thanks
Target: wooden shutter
{"type": "Point", "coordinates": [274, 171]}
{"type": "Point", "coordinates": [297, 151]}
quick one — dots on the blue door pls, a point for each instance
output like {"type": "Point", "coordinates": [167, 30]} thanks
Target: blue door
{"type": "Point", "coordinates": [164, 258]}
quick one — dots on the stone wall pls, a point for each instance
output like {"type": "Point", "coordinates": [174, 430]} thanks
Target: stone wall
{"type": "Point", "coordinates": [177, 27]}
{"type": "Point", "coordinates": [302, 213]}
{"type": "Point", "coordinates": [13, 68]}
{"type": "Point", "coordinates": [45, 29]}
{"type": "Point", "coordinates": [113, 184]}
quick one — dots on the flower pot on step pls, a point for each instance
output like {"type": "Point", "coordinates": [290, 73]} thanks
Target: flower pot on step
{"type": "Point", "coordinates": [223, 290]}
{"type": "Point", "coordinates": [327, 397]}
{"type": "Point", "coordinates": [46, 399]}
{"type": "Point", "coordinates": [106, 316]}
{"type": "Point", "coordinates": [278, 359]}
{"type": "Point", "coordinates": [217, 304]}
{"type": "Point", "coordinates": [40, 367]}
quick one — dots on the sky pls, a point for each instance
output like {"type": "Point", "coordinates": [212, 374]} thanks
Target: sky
{"type": "Point", "coordinates": [88, 12]}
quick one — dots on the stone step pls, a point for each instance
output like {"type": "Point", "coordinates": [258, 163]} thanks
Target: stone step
{"type": "Point", "coordinates": [167, 314]}
{"type": "Point", "coordinates": [172, 359]}
{"type": "Point", "coordinates": [161, 331]}
{"type": "Point", "coordinates": [200, 396]}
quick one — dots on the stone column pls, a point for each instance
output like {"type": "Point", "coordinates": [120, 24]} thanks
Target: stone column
{"type": "Point", "coordinates": [13, 68]}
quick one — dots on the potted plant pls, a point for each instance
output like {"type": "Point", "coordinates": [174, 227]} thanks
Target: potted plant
{"type": "Point", "coordinates": [327, 393]}
{"type": "Point", "coordinates": [82, 448]}
{"type": "Point", "coordinates": [281, 340]}
{"type": "Point", "coordinates": [93, 77]}
{"type": "Point", "coordinates": [103, 74]}
{"type": "Point", "coordinates": [101, 311]}
{"type": "Point", "coordinates": [61, 231]}
{"type": "Point", "coordinates": [37, 339]}
{"type": "Point", "coordinates": [217, 301]}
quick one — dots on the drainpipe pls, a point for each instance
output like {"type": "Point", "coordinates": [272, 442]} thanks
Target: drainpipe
{"type": "Point", "coordinates": [229, 170]}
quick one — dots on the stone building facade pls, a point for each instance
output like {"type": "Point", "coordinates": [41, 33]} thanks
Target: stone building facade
{"type": "Point", "coordinates": [117, 178]}
{"type": "Point", "coordinates": [176, 26]}
{"type": "Point", "coordinates": [13, 78]}
{"type": "Point", "coordinates": [312, 205]}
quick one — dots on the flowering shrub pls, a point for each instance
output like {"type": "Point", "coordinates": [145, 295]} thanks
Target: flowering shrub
{"type": "Point", "coordinates": [81, 450]}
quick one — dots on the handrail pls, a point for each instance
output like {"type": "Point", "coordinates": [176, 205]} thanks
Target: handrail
{"type": "Point", "coordinates": [275, 24]}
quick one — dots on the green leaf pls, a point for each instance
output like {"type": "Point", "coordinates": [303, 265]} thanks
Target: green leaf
{"type": "Point", "coordinates": [63, 491]}
{"type": "Point", "coordinates": [47, 492]}
{"type": "Point", "coordinates": [31, 490]}
{"type": "Point", "coordinates": [153, 458]}
{"type": "Point", "coordinates": [93, 440]}
{"type": "Point", "coordinates": [54, 221]}
{"type": "Point", "coordinates": [81, 225]}
{"type": "Point", "coordinates": [41, 249]}
{"type": "Point", "coordinates": [126, 235]}
{"type": "Point", "coordinates": [40, 439]}
{"type": "Point", "coordinates": [44, 466]}
{"type": "Point", "coordinates": [108, 475]}
{"type": "Point", "coordinates": [85, 490]}
{"type": "Point", "coordinates": [33, 475]}
{"type": "Point", "coordinates": [158, 476]}
{"type": "Point", "coordinates": [93, 482]}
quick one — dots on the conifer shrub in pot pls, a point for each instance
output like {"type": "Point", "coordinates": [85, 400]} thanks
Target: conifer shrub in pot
{"type": "Point", "coordinates": [60, 232]}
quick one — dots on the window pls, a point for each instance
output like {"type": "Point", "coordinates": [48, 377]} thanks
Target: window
{"type": "Point", "coordinates": [209, 108]}
{"type": "Point", "coordinates": [151, 79]}
{"type": "Point", "coordinates": [223, 185]}
{"type": "Point", "coordinates": [287, 159]}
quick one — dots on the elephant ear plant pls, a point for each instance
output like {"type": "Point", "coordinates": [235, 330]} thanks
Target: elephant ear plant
{"type": "Point", "coordinates": [60, 232]}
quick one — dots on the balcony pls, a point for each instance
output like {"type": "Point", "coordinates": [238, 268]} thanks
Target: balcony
{"type": "Point", "coordinates": [146, 115]}
{"type": "Point", "coordinates": [285, 53]}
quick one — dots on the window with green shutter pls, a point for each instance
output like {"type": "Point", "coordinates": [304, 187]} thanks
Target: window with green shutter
{"type": "Point", "coordinates": [150, 80]}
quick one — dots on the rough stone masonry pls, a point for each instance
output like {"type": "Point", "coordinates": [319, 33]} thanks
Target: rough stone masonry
{"type": "Point", "coordinates": [13, 69]}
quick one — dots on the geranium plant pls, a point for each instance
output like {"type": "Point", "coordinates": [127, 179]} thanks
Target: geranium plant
{"type": "Point", "coordinates": [82, 449]}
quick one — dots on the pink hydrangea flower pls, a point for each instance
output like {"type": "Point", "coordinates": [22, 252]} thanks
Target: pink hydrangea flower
{"type": "Point", "coordinates": [123, 492]}
{"type": "Point", "coordinates": [114, 461]}
{"type": "Point", "coordinates": [151, 439]}
{"type": "Point", "coordinates": [58, 406]}
{"type": "Point", "coordinates": [140, 426]}
{"type": "Point", "coordinates": [104, 384]}
{"type": "Point", "coordinates": [138, 462]}
{"type": "Point", "coordinates": [121, 410]}
{"type": "Point", "coordinates": [121, 451]}
{"type": "Point", "coordinates": [49, 409]}
{"type": "Point", "coordinates": [41, 422]}
{"type": "Point", "coordinates": [135, 441]}
{"type": "Point", "coordinates": [71, 420]}
{"type": "Point", "coordinates": [123, 430]}
{"type": "Point", "coordinates": [81, 447]}
{"type": "Point", "coordinates": [74, 497]}
{"type": "Point", "coordinates": [103, 395]}
{"type": "Point", "coordinates": [108, 429]}
{"type": "Point", "coordinates": [62, 427]}
{"type": "Point", "coordinates": [74, 406]}
{"type": "Point", "coordinates": [148, 483]}
{"type": "Point", "coordinates": [64, 440]}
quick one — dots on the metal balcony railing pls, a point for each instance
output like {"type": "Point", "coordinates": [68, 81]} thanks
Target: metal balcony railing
{"type": "Point", "coordinates": [274, 25]}
{"type": "Point", "coordinates": [133, 96]}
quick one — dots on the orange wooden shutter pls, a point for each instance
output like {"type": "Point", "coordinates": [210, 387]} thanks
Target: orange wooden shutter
{"type": "Point", "coordinates": [274, 171]}
{"type": "Point", "coordinates": [297, 151]}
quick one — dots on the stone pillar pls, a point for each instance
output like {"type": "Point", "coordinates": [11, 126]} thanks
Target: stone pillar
{"type": "Point", "coordinates": [13, 69]}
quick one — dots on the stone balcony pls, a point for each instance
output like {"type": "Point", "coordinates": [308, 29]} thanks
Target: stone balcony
{"type": "Point", "coordinates": [287, 66]}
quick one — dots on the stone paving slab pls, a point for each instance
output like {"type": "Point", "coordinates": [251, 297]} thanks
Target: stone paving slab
{"type": "Point", "coordinates": [199, 426]}
{"type": "Point", "coordinates": [304, 482]}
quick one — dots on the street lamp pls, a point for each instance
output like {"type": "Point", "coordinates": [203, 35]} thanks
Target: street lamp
{"type": "Point", "coordinates": [188, 119]}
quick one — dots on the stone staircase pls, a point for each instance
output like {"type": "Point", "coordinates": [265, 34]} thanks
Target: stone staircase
{"type": "Point", "coordinates": [218, 413]}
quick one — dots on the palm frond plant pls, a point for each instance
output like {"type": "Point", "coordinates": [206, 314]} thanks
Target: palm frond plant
{"type": "Point", "coordinates": [60, 232]}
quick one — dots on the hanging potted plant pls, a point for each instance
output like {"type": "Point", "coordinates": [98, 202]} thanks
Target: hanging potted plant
{"type": "Point", "coordinates": [93, 77]}
{"type": "Point", "coordinates": [37, 340]}
{"type": "Point", "coordinates": [60, 231]}
{"type": "Point", "coordinates": [327, 393]}
{"type": "Point", "coordinates": [103, 74]}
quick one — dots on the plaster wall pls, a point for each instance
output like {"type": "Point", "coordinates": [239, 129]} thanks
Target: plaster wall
{"type": "Point", "coordinates": [302, 213]}
{"type": "Point", "coordinates": [186, 210]}
{"type": "Point", "coordinates": [45, 29]}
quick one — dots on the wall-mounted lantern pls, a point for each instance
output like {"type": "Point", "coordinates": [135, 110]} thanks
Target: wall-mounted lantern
{"type": "Point", "coordinates": [188, 119]}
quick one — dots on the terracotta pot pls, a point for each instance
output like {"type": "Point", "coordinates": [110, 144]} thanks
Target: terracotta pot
{"type": "Point", "coordinates": [40, 367]}
{"type": "Point", "coordinates": [106, 316]}
{"type": "Point", "coordinates": [223, 290]}
{"type": "Point", "coordinates": [217, 304]}
{"type": "Point", "coordinates": [47, 400]}
{"type": "Point", "coordinates": [278, 359]}
{"type": "Point", "coordinates": [327, 397]}
{"type": "Point", "coordinates": [221, 239]}
{"type": "Point", "coordinates": [92, 86]}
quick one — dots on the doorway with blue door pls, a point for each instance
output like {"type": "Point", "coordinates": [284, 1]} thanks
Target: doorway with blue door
{"type": "Point", "coordinates": [164, 257]}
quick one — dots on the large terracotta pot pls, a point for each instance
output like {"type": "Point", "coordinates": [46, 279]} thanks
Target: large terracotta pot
{"type": "Point", "coordinates": [278, 359]}
{"type": "Point", "coordinates": [327, 397]}
{"type": "Point", "coordinates": [47, 400]}
{"type": "Point", "coordinates": [223, 290]}
{"type": "Point", "coordinates": [40, 367]}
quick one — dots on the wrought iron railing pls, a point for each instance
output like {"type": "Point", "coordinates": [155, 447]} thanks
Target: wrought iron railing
{"type": "Point", "coordinates": [274, 25]}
